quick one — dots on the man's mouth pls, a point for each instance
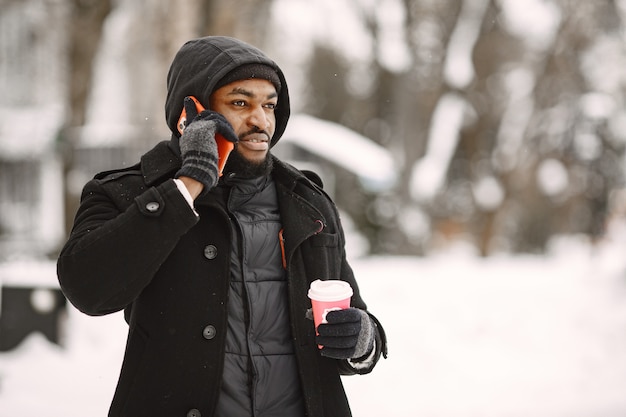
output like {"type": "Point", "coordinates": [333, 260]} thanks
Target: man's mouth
{"type": "Point", "coordinates": [255, 141]}
{"type": "Point", "coordinates": [255, 137]}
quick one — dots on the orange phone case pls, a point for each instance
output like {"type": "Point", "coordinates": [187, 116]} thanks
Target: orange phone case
{"type": "Point", "coordinates": [224, 147]}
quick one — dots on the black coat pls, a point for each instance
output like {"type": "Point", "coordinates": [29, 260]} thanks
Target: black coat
{"type": "Point", "coordinates": [137, 245]}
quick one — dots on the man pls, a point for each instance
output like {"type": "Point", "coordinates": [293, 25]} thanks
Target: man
{"type": "Point", "coordinates": [213, 271]}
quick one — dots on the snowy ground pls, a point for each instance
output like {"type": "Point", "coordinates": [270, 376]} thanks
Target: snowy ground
{"type": "Point", "coordinates": [503, 337]}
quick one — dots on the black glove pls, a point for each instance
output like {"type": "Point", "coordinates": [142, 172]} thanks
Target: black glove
{"type": "Point", "coordinates": [349, 334]}
{"type": "Point", "coordinates": [198, 148]}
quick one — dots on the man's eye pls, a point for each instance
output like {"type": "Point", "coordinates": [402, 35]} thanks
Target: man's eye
{"type": "Point", "coordinates": [271, 106]}
{"type": "Point", "coordinates": [239, 103]}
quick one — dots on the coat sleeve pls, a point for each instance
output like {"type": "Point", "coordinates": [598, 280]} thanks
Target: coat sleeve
{"type": "Point", "coordinates": [366, 364]}
{"type": "Point", "coordinates": [359, 365]}
{"type": "Point", "coordinates": [113, 254]}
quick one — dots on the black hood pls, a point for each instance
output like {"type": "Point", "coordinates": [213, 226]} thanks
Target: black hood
{"type": "Point", "coordinates": [201, 63]}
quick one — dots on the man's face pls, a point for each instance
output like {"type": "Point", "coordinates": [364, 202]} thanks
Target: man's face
{"type": "Point", "coordinates": [249, 107]}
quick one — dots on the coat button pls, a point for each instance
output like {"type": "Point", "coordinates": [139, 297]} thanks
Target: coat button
{"type": "Point", "coordinates": [210, 252]}
{"type": "Point", "coordinates": [194, 412]}
{"type": "Point", "coordinates": [152, 206]}
{"type": "Point", "coordinates": [209, 332]}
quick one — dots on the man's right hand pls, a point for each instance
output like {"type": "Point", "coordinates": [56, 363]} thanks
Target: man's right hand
{"type": "Point", "coordinates": [198, 148]}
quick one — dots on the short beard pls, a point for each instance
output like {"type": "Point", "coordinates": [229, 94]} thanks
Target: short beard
{"type": "Point", "coordinates": [245, 168]}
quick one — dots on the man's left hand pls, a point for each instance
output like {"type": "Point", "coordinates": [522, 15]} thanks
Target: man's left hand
{"type": "Point", "coordinates": [349, 334]}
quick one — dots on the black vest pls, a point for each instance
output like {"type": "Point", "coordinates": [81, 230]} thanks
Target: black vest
{"type": "Point", "coordinates": [260, 369]}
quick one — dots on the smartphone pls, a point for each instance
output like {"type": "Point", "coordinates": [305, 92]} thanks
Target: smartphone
{"type": "Point", "coordinates": [224, 147]}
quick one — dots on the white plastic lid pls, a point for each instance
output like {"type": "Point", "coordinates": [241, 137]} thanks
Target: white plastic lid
{"type": "Point", "coordinates": [329, 290]}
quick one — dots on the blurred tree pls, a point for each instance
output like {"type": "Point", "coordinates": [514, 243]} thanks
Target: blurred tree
{"type": "Point", "coordinates": [555, 162]}
{"type": "Point", "coordinates": [244, 19]}
{"type": "Point", "coordinates": [86, 20]}
{"type": "Point", "coordinates": [517, 97]}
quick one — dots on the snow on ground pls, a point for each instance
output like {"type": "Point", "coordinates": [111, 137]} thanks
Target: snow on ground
{"type": "Point", "coordinates": [499, 337]}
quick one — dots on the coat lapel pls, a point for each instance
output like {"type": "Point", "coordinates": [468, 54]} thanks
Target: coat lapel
{"type": "Point", "coordinates": [297, 228]}
{"type": "Point", "coordinates": [159, 163]}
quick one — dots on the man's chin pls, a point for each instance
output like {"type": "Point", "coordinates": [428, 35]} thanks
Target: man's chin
{"type": "Point", "coordinates": [248, 168]}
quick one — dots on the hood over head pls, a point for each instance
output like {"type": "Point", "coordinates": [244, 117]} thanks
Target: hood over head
{"type": "Point", "coordinates": [204, 64]}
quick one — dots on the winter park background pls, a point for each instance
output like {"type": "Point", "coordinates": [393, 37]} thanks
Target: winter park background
{"type": "Point", "coordinates": [474, 147]}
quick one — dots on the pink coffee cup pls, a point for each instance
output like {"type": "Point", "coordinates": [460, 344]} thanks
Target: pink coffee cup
{"type": "Point", "coordinates": [328, 296]}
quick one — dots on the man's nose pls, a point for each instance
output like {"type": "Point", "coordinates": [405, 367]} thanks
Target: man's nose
{"type": "Point", "coordinates": [258, 118]}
